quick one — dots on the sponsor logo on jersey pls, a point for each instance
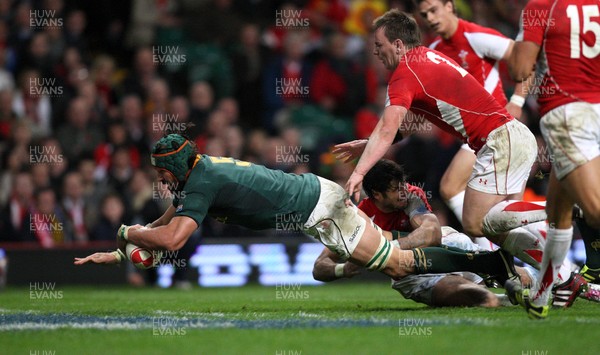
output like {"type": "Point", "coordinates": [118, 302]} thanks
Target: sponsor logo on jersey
{"type": "Point", "coordinates": [354, 234]}
{"type": "Point", "coordinates": [179, 208]}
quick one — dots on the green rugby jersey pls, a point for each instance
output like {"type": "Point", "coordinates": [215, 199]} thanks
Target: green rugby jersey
{"type": "Point", "coordinates": [242, 193]}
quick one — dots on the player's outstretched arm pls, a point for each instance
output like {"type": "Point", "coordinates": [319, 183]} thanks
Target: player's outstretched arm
{"type": "Point", "coordinates": [165, 218]}
{"type": "Point", "coordinates": [99, 258]}
{"type": "Point", "coordinates": [379, 142]}
{"type": "Point", "coordinates": [169, 237]}
{"type": "Point", "coordinates": [329, 267]}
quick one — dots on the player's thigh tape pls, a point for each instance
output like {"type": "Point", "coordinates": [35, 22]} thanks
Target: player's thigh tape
{"type": "Point", "coordinates": [382, 255]}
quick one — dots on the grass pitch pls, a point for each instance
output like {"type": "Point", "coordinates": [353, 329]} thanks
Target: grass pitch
{"type": "Point", "coordinates": [342, 318]}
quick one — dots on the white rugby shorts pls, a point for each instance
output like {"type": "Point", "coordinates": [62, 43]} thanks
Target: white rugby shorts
{"type": "Point", "coordinates": [334, 224]}
{"type": "Point", "coordinates": [572, 133]}
{"type": "Point", "coordinates": [503, 164]}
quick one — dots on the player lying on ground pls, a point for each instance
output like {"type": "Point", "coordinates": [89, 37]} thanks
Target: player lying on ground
{"type": "Point", "coordinates": [256, 197]}
{"type": "Point", "coordinates": [397, 206]}
{"type": "Point", "coordinates": [434, 87]}
{"type": "Point", "coordinates": [456, 289]}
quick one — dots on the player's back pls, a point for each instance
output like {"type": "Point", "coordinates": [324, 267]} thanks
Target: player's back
{"type": "Point", "coordinates": [569, 31]}
{"type": "Point", "coordinates": [431, 84]}
{"type": "Point", "coordinates": [247, 194]}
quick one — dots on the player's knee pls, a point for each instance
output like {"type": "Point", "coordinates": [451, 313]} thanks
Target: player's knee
{"type": "Point", "coordinates": [473, 229]}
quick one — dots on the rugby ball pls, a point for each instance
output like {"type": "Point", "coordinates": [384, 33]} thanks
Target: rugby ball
{"type": "Point", "coordinates": [142, 258]}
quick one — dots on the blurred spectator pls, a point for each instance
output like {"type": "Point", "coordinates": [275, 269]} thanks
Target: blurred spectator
{"type": "Point", "coordinates": [22, 30]}
{"type": "Point", "coordinates": [93, 189]}
{"type": "Point", "coordinates": [79, 135]}
{"type": "Point", "coordinates": [54, 157]}
{"type": "Point", "coordinates": [75, 24]}
{"type": "Point", "coordinates": [138, 81]}
{"type": "Point", "coordinates": [74, 204]}
{"type": "Point", "coordinates": [143, 199]}
{"type": "Point", "coordinates": [32, 102]}
{"type": "Point", "coordinates": [287, 78]}
{"type": "Point", "coordinates": [112, 215]}
{"type": "Point", "coordinates": [368, 116]}
{"type": "Point", "coordinates": [339, 84]}
{"type": "Point", "coordinates": [234, 140]}
{"type": "Point", "coordinates": [37, 55]}
{"type": "Point", "coordinates": [202, 100]}
{"type": "Point", "coordinates": [142, 23]}
{"type": "Point", "coordinates": [248, 61]}
{"type": "Point", "coordinates": [88, 91]}
{"type": "Point", "coordinates": [40, 173]}
{"type": "Point", "coordinates": [157, 98]}
{"type": "Point", "coordinates": [15, 219]}
{"type": "Point", "coordinates": [121, 170]}
{"type": "Point", "coordinates": [103, 71]}
{"type": "Point", "coordinates": [15, 161]}
{"type": "Point", "coordinates": [48, 222]}
{"type": "Point", "coordinates": [132, 114]}
{"type": "Point", "coordinates": [117, 138]}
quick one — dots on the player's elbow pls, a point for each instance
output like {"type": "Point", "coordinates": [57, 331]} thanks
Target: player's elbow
{"type": "Point", "coordinates": [434, 232]}
{"type": "Point", "coordinates": [318, 275]}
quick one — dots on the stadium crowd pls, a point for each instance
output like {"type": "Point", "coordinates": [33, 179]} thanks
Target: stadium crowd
{"type": "Point", "coordinates": [86, 88]}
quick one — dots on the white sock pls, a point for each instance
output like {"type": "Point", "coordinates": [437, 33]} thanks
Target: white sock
{"type": "Point", "coordinates": [558, 242]}
{"type": "Point", "coordinates": [524, 245]}
{"type": "Point", "coordinates": [511, 214]}
{"type": "Point", "coordinates": [456, 203]}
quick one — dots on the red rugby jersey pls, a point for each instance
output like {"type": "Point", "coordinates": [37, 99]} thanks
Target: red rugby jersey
{"type": "Point", "coordinates": [431, 84]}
{"type": "Point", "coordinates": [398, 220]}
{"type": "Point", "coordinates": [568, 32]}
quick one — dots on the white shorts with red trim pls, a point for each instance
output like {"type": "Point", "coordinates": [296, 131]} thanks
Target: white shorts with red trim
{"type": "Point", "coordinates": [504, 162]}
{"type": "Point", "coordinates": [572, 133]}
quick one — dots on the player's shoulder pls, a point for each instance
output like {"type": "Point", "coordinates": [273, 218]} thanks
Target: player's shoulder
{"type": "Point", "coordinates": [541, 4]}
{"type": "Point", "coordinates": [367, 206]}
{"type": "Point", "coordinates": [436, 43]}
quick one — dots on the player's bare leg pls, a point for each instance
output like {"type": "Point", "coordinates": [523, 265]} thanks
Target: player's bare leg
{"type": "Point", "coordinates": [456, 291]}
{"type": "Point", "coordinates": [558, 239]}
{"type": "Point", "coordinates": [582, 183]}
{"type": "Point", "coordinates": [455, 178]}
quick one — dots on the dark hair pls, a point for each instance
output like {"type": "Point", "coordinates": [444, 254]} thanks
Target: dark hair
{"type": "Point", "coordinates": [399, 25]}
{"type": "Point", "coordinates": [444, 2]}
{"type": "Point", "coordinates": [380, 177]}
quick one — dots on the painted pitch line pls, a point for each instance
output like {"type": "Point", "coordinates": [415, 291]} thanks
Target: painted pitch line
{"type": "Point", "coordinates": [28, 321]}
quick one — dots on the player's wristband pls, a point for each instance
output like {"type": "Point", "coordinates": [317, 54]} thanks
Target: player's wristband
{"type": "Point", "coordinates": [119, 255]}
{"type": "Point", "coordinates": [122, 233]}
{"type": "Point", "coordinates": [517, 100]}
{"type": "Point", "coordinates": [339, 270]}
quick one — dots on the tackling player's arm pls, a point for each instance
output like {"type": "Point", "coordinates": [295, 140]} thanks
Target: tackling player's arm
{"type": "Point", "coordinates": [329, 267]}
{"type": "Point", "coordinates": [170, 237]}
{"type": "Point", "coordinates": [427, 232]}
{"type": "Point", "coordinates": [521, 63]}
{"type": "Point", "coordinates": [379, 142]}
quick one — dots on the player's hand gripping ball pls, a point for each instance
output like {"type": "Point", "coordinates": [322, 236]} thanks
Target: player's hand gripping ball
{"type": "Point", "coordinates": [142, 258]}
